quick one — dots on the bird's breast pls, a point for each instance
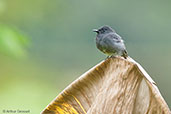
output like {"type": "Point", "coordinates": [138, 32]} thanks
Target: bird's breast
{"type": "Point", "coordinates": [98, 44]}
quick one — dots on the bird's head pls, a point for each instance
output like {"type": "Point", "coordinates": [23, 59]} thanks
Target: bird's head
{"type": "Point", "coordinates": [103, 30]}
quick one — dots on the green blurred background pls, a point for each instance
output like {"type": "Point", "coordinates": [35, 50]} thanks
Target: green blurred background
{"type": "Point", "coordinates": [46, 44]}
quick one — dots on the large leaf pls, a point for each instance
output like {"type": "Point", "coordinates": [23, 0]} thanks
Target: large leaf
{"type": "Point", "coordinates": [114, 86]}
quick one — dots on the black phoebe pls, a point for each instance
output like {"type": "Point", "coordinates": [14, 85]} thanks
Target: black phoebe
{"type": "Point", "coordinates": [109, 42]}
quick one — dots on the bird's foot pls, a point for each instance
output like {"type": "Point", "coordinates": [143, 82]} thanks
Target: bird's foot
{"type": "Point", "coordinates": [112, 56]}
{"type": "Point", "coordinates": [107, 57]}
{"type": "Point", "coordinates": [125, 57]}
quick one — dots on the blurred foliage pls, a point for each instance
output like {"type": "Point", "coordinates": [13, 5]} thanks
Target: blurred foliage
{"type": "Point", "coordinates": [63, 47]}
{"type": "Point", "coordinates": [12, 42]}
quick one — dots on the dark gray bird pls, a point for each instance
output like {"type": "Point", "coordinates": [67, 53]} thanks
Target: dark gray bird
{"type": "Point", "coordinates": [109, 42]}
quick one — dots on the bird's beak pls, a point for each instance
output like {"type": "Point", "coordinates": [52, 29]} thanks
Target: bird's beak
{"type": "Point", "coordinates": [95, 30]}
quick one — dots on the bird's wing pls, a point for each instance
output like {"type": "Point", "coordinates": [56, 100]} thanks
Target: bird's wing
{"type": "Point", "coordinates": [113, 42]}
{"type": "Point", "coordinates": [113, 37]}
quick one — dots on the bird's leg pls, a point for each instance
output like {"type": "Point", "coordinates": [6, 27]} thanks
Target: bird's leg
{"type": "Point", "coordinates": [110, 56]}
{"type": "Point", "coordinates": [125, 54]}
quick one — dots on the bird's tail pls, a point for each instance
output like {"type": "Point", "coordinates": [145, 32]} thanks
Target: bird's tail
{"type": "Point", "coordinates": [125, 54]}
